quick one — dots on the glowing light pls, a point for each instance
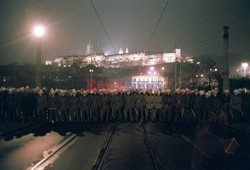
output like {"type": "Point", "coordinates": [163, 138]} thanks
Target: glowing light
{"type": "Point", "coordinates": [244, 65]}
{"type": "Point", "coordinates": [149, 72]}
{"type": "Point", "coordinates": [155, 73]}
{"type": "Point", "coordinates": [198, 62]}
{"type": "Point", "coordinates": [215, 69]}
{"type": "Point", "coordinates": [39, 31]}
{"type": "Point", "coordinates": [163, 68]}
{"type": "Point", "coordinates": [152, 68]}
{"type": "Point", "coordinates": [202, 75]}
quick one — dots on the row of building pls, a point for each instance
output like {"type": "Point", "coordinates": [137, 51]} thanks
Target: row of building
{"type": "Point", "coordinates": [121, 59]}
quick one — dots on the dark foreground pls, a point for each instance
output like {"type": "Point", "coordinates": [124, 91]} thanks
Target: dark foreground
{"type": "Point", "coordinates": [115, 146]}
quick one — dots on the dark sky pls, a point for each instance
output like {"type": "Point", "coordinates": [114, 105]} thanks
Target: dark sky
{"type": "Point", "coordinates": [195, 26]}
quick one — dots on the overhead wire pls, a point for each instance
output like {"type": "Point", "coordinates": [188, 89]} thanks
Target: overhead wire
{"type": "Point", "coordinates": [158, 22]}
{"type": "Point", "coordinates": [99, 18]}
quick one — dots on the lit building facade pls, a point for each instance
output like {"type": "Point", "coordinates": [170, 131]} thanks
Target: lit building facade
{"type": "Point", "coordinates": [124, 59]}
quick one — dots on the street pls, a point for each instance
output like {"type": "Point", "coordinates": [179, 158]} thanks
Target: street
{"type": "Point", "coordinates": [128, 148]}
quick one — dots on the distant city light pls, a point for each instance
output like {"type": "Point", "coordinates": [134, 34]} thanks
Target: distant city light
{"type": "Point", "coordinates": [215, 69]}
{"type": "Point", "coordinates": [39, 31]}
{"type": "Point", "coordinates": [152, 68]}
{"type": "Point", "coordinates": [245, 66]}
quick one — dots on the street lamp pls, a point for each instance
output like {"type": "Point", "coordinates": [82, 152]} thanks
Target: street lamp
{"type": "Point", "coordinates": [91, 71]}
{"type": "Point", "coordinates": [245, 66]}
{"type": "Point", "coordinates": [38, 32]}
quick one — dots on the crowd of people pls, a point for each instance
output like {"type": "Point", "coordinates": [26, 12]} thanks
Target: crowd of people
{"type": "Point", "coordinates": [181, 105]}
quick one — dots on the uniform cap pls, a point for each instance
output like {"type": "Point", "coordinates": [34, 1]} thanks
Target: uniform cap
{"type": "Point", "coordinates": [201, 92]}
{"type": "Point", "coordinates": [168, 91]}
{"type": "Point", "coordinates": [236, 91]}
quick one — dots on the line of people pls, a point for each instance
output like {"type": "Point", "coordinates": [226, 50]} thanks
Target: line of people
{"type": "Point", "coordinates": [181, 105]}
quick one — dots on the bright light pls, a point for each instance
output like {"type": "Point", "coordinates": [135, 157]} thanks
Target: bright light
{"type": "Point", "coordinates": [154, 73]}
{"type": "Point", "coordinates": [91, 70]}
{"type": "Point", "coordinates": [215, 69]}
{"type": "Point", "coordinates": [198, 62]}
{"type": "Point", "coordinates": [244, 65]}
{"type": "Point", "coordinates": [152, 68]}
{"type": "Point", "coordinates": [39, 31]}
{"type": "Point", "coordinates": [202, 75]}
{"type": "Point", "coordinates": [140, 73]}
{"type": "Point", "coordinates": [149, 72]}
{"type": "Point", "coordinates": [163, 68]}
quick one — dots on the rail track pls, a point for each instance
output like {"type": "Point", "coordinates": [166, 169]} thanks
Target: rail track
{"type": "Point", "coordinates": [103, 153]}
{"type": "Point", "coordinates": [64, 143]}
{"type": "Point", "coordinates": [151, 148]}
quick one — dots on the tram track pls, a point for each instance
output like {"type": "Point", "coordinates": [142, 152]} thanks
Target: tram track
{"type": "Point", "coordinates": [63, 144]}
{"type": "Point", "coordinates": [58, 149]}
{"type": "Point", "coordinates": [103, 153]}
{"type": "Point", "coordinates": [151, 148]}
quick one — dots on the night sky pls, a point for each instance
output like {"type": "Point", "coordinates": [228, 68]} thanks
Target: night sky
{"type": "Point", "coordinates": [195, 26]}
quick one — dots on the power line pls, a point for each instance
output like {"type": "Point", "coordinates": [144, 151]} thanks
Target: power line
{"type": "Point", "coordinates": [103, 26]}
{"type": "Point", "coordinates": [167, 2]}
